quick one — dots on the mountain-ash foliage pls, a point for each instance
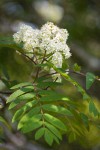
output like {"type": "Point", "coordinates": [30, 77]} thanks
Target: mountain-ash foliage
{"type": "Point", "coordinates": [40, 108]}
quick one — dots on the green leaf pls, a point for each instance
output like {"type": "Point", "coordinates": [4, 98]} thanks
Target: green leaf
{"type": "Point", "coordinates": [21, 85]}
{"type": "Point", "coordinates": [39, 133]}
{"type": "Point", "coordinates": [54, 130]}
{"type": "Point", "coordinates": [23, 109]}
{"type": "Point", "coordinates": [56, 139]}
{"type": "Point", "coordinates": [57, 109]}
{"type": "Point", "coordinates": [76, 67]}
{"type": "Point", "coordinates": [85, 119]}
{"type": "Point", "coordinates": [26, 119]}
{"type": "Point", "coordinates": [30, 126]}
{"type": "Point", "coordinates": [46, 84]}
{"type": "Point", "coordinates": [90, 78]}
{"type": "Point", "coordinates": [41, 65]}
{"type": "Point", "coordinates": [72, 137]}
{"type": "Point", "coordinates": [68, 78]}
{"type": "Point", "coordinates": [20, 92]}
{"type": "Point", "coordinates": [24, 97]}
{"type": "Point", "coordinates": [48, 137]}
{"type": "Point", "coordinates": [55, 121]}
{"type": "Point", "coordinates": [85, 97]}
{"type": "Point", "coordinates": [54, 97]}
{"type": "Point", "coordinates": [93, 109]}
{"type": "Point", "coordinates": [30, 114]}
{"type": "Point", "coordinates": [46, 92]}
{"type": "Point", "coordinates": [9, 42]}
{"type": "Point", "coordinates": [41, 79]}
{"type": "Point", "coordinates": [4, 41]}
{"type": "Point", "coordinates": [49, 95]}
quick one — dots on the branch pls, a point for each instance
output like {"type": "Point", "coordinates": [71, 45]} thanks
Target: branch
{"type": "Point", "coordinates": [82, 74]}
{"type": "Point", "coordinates": [79, 73]}
{"type": "Point", "coordinates": [49, 74]}
{"type": "Point", "coordinates": [28, 58]}
{"type": "Point", "coordinates": [39, 68]}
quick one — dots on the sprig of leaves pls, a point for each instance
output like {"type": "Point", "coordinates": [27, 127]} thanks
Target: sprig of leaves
{"type": "Point", "coordinates": [38, 110]}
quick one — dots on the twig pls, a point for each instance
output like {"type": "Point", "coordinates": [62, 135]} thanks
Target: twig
{"type": "Point", "coordinates": [80, 73]}
{"type": "Point", "coordinates": [49, 74]}
{"type": "Point", "coordinates": [37, 74]}
{"type": "Point", "coordinates": [49, 86]}
{"type": "Point", "coordinates": [38, 70]}
{"type": "Point", "coordinates": [28, 58]}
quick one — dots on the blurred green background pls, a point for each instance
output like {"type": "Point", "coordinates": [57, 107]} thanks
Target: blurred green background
{"type": "Point", "coordinates": [82, 20]}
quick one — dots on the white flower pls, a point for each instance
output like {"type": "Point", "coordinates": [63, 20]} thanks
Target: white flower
{"type": "Point", "coordinates": [57, 59]}
{"type": "Point", "coordinates": [28, 36]}
{"type": "Point", "coordinates": [20, 34]}
{"type": "Point", "coordinates": [53, 39]}
{"type": "Point", "coordinates": [55, 76]}
{"type": "Point", "coordinates": [17, 37]}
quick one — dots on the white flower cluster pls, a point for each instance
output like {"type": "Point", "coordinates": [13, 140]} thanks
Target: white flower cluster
{"type": "Point", "coordinates": [49, 39]}
{"type": "Point", "coordinates": [53, 39]}
{"type": "Point", "coordinates": [29, 37]}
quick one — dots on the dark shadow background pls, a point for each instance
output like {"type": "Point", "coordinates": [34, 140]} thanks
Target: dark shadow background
{"type": "Point", "coordinates": [80, 17]}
